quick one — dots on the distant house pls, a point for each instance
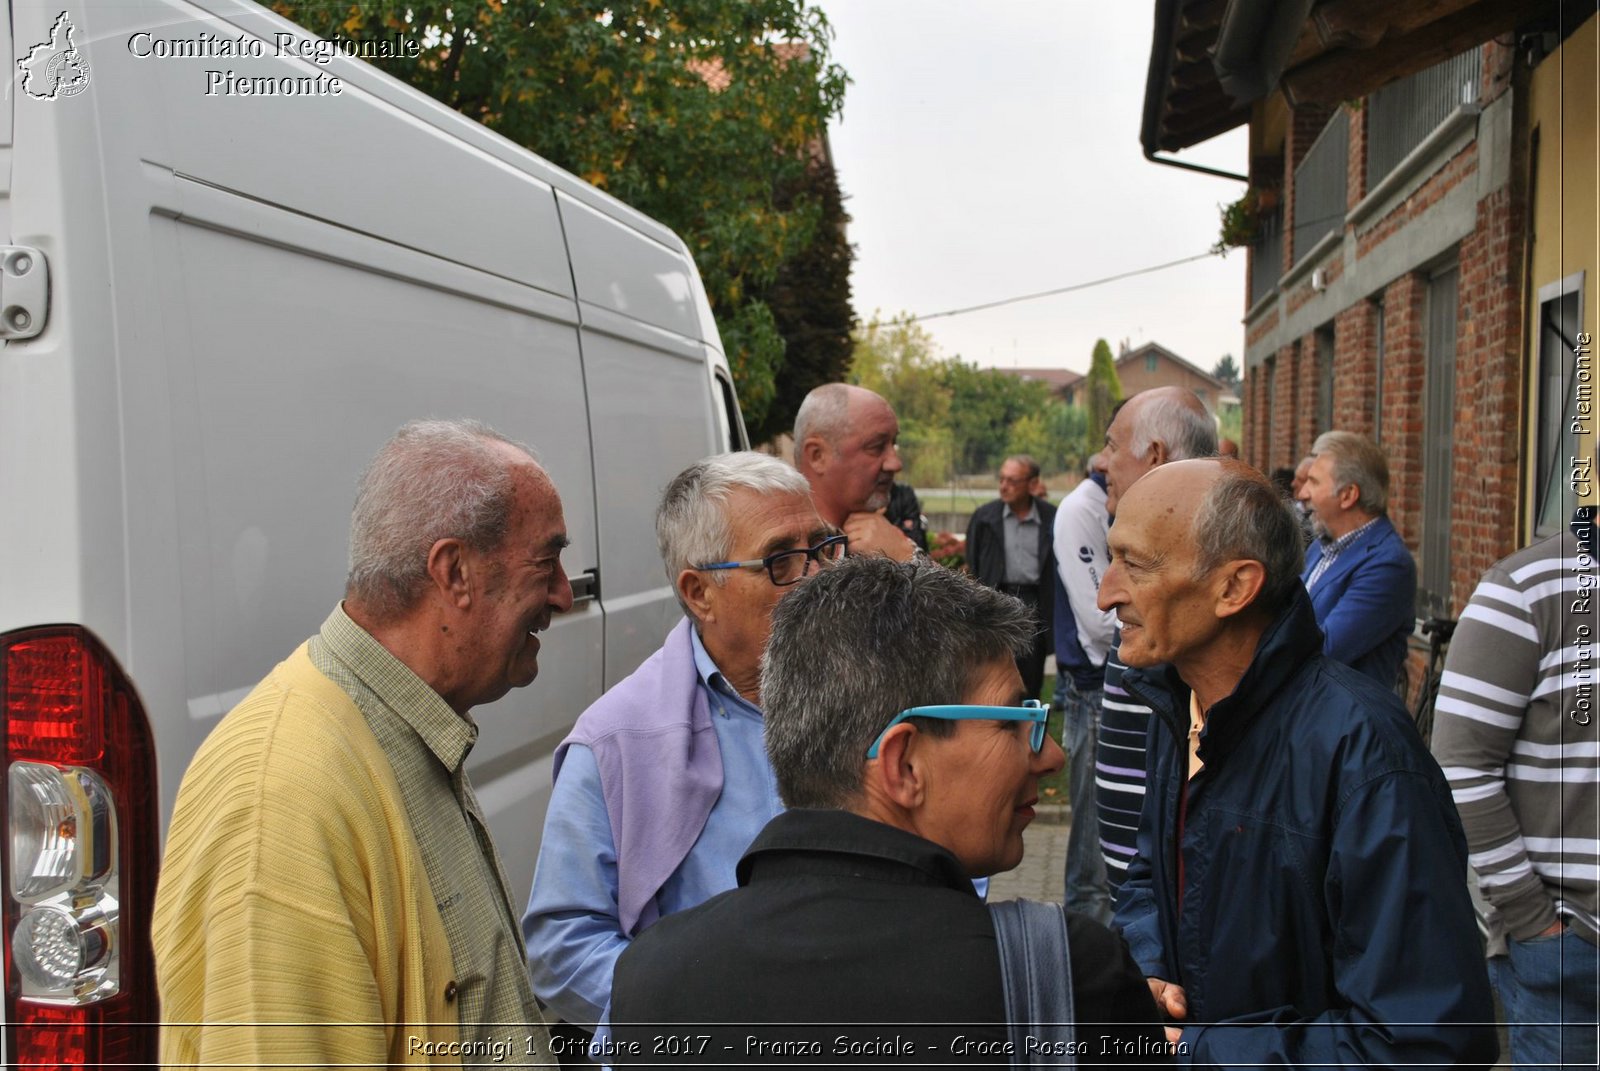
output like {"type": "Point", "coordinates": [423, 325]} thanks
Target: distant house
{"type": "Point", "coordinates": [1422, 265]}
{"type": "Point", "coordinates": [1063, 382]}
{"type": "Point", "coordinates": [1153, 365]}
{"type": "Point", "coordinates": [1150, 365]}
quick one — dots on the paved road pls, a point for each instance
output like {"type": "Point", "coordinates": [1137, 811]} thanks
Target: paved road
{"type": "Point", "coordinates": [1042, 873]}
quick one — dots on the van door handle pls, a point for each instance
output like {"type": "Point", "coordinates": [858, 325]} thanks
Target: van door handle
{"type": "Point", "coordinates": [586, 588]}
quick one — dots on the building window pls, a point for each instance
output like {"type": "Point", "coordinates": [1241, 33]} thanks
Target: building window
{"type": "Point", "coordinates": [1438, 438]}
{"type": "Point", "coordinates": [1149, 362]}
{"type": "Point", "coordinates": [1319, 186]}
{"type": "Point", "coordinates": [1560, 322]}
{"type": "Point", "coordinates": [1402, 114]}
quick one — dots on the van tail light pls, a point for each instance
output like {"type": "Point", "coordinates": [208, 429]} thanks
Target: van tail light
{"type": "Point", "coordinates": [80, 862]}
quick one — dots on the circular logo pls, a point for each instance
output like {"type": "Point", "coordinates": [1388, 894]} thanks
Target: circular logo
{"type": "Point", "coordinates": [67, 72]}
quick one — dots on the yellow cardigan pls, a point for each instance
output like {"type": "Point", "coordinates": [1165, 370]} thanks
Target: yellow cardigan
{"type": "Point", "coordinates": [294, 925]}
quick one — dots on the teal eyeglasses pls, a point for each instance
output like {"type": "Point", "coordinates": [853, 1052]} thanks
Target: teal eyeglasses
{"type": "Point", "coordinates": [1031, 710]}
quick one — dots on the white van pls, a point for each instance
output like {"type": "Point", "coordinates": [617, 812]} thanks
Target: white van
{"type": "Point", "coordinates": [234, 263]}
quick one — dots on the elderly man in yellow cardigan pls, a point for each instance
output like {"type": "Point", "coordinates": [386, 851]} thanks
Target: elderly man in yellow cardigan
{"type": "Point", "coordinates": [330, 895]}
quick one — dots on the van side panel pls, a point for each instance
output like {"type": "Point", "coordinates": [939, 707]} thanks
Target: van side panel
{"type": "Point", "coordinates": [249, 295]}
{"type": "Point", "coordinates": [649, 410]}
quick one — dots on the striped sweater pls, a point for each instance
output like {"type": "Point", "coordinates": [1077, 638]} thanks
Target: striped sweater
{"type": "Point", "coordinates": [1119, 771]}
{"type": "Point", "coordinates": [1515, 731]}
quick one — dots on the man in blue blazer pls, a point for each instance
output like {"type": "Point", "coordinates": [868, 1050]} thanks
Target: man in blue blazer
{"type": "Point", "coordinates": [1362, 579]}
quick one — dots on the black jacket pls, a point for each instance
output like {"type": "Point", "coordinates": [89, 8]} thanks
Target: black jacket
{"type": "Point", "coordinates": [986, 553]}
{"type": "Point", "coordinates": [842, 920]}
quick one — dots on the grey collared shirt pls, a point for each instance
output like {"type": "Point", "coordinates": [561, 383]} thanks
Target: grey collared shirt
{"type": "Point", "coordinates": [1022, 546]}
{"type": "Point", "coordinates": [426, 742]}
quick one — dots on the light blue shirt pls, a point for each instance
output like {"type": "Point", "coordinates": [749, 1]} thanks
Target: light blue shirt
{"type": "Point", "coordinates": [571, 929]}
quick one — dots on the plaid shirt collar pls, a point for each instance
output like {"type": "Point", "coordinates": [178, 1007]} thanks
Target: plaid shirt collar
{"type": "Point", "coordinates": [444, 732]}
{"type": "Point", "coordinates": [1332, 548]}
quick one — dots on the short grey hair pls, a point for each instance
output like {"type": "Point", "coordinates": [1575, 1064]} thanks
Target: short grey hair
{"type": "Point", "coordinates": [692, 522]}
{"type": "Point", "coordinates": [1187, 433]}
{"type": "Point", "coordinates": [1360, 461]}
{"type": "Point", "coordinates": [825, 412]}
{"type": "Point", "coordinates": [433, 480]}
{"type": "Point", "coordinates": [857, 644]}
{"type": "Point", "coordinates": [1244, 517]}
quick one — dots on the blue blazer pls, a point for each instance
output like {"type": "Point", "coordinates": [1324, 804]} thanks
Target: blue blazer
{"type": "Point", "coordinates": [1366, 602]}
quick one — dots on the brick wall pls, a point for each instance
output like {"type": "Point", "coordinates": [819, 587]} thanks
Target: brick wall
{"type": "Point", "coordinates": [1404, 359]}
{"type": "Point", "coordinates": [1285, 404]}
{"type": "Point", "coordinates": [1305, 401]}
{"type": "Point", "coordinates": [1485, 470]}
{"type": "Point", "coordinates": [1488, 395]}
{"type": "Point", "coordinates": [1247, 396]}
{"type": "Point", "coordinates": [1499, 64]}
{"type": "Point", "coordinates": [1459, 169]}
{"type": "Point", "coordinates": [1355, 184]}
{"type": "Point", "coordinates": [1355, 368]}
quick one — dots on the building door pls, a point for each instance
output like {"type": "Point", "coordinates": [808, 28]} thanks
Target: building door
{"type": "Point", "coordinates": [1438, 440]}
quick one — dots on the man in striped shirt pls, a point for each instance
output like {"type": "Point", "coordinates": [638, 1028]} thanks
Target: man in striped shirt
{"type": "Point", "coordinates": [1514, 729]}
{"type": "Point", "coordinates": [1150, 429]}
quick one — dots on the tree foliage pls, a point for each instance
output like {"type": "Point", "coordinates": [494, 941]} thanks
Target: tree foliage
{"type": "Point", "coordinates": [956, 418]}
{"type": "Point", "coordinates": [810, 302]}
{"type": "Point", "coordinates": [704, 114]}
{"type": "Point", "coordinates": [1102, 391]}
{"type": "Point", "coordinates": [1053, 435]}
{"type": "Point", "coordinates": [900, 361]}
{"type": "Point", "coordinates": [1227, 370]}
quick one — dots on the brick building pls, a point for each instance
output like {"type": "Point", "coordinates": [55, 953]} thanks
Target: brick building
{"type": "Point", "coordinates": [1153, 365]}
{"type": "Point", "coordinates": [1422, 188]}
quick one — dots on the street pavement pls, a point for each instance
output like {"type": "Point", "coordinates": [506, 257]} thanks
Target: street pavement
{"type": "Point", "coordinates": [1042, 873]}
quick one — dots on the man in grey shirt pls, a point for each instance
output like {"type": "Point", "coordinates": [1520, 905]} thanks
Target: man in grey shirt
{"type": "Point", "coordinates": [1010, 546]}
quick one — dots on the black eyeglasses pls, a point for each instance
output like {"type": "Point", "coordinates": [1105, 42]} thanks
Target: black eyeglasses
{"type": "Point", "coordinates": [787, 567]}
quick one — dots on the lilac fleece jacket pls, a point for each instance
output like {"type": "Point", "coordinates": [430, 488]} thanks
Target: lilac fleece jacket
{"type": "Point", "coordinates": [660, 770]}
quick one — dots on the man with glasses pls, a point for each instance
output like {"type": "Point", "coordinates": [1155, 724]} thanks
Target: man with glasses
{"type": "Point", "coordinates": [1011, 546]}
{"type": "Point", "coordinates": [663, 783]}
{"type": "Point", "coordinates": [900, 739]}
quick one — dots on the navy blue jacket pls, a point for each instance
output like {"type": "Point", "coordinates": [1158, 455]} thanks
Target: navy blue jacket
{"type": "Point", "coordinates": [1322, 866]}
{"type": "Point", "coordinates": [1366, 601]}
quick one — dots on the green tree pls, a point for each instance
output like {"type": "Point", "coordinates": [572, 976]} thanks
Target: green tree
{"type": "Point", "coordinates": [1053, 435]}
{"type": "Point", "coordinates": [1230, 423]}
{"type": "Point", "coordinates": [1102, 391]}
{"type": "Point", "coordinates": [702, 113]}
{"type": "Point", "coordinates": [810, 302]}
{"type": "Point", "coordinates": [985, 404]}
{"type": "Point", "coordinates": [1227, 371]}
{"type": "Point", "coordinates": [900, 361]}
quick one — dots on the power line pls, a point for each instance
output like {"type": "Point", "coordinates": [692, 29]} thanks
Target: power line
{"type": "Point", "coordinates": [1058, 290]}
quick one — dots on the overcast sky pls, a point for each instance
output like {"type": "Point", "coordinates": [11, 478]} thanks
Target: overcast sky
{"type": "Point", "coordinates": [989, 150]}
